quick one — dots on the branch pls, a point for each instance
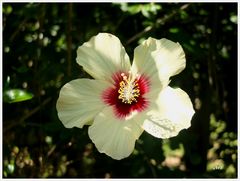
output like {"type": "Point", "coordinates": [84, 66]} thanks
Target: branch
{"type": "Point", "coordinates": [26, 116]}
{"type": "Point", "coordinates": [158, 22]}
{"type": "Point", "coordinates": [17, 31]}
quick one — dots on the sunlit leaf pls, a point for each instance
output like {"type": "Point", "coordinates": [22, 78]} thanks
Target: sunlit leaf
{"type": "Point", "coordinates": [11, 168]}
{"type": "Point", "coordinates": [7, 9]}
{"type": "Point", "coordinates": [134, 9]}
{"type": "Point", "coordinates": [16, 95]}
{"type": "Point", "coordinates": [145, 12]}
{"type": "Point", "coordinates": [233, 19]}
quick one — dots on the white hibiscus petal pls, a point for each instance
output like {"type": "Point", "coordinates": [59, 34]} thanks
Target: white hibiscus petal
{"type": "Point", "coordinates": [102, 56]}
{"type": "Point", "coordinates": [159, 60]}
{"type": "Point", "coordinates": [173, 113]}
{"type": "Point", "coordinates": [79, 101]}
{"type": "Point", "coordinates": [112, 136]}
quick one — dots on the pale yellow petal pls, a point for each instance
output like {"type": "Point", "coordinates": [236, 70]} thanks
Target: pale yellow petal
{"type": "Point", "coordinates": [112, 136]}
{"type": "Point", "coordinates": [158, 60]}
{"type": "Point", "coordinates": [173, 112]}
{"type": "Point", "coordinates": [102, 56]}
{"type": "Point", "coordinates": [79, 101]}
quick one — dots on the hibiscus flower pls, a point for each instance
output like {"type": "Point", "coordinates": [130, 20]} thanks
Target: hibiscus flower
{"type": "Point", "coordinates": [123, 100]}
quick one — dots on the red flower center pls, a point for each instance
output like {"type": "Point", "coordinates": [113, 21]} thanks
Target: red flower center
{"type": "Point", "coordinates": [127, 94]}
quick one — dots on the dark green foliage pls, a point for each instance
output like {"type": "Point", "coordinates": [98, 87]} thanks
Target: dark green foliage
{"type": "Point", "coordinates": [39, 51]}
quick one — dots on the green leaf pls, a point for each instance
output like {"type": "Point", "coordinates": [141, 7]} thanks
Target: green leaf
{"type": "Point", "coordinates": [134, 9]}
{"type": "Point", "coordinates": [233, 18]}
{"type": "Point", "coordinates": [174, 30]}
{"type": "Point", "coordinates": [7, 9]}
{"type": "Point", "coordinates": [16, 95]}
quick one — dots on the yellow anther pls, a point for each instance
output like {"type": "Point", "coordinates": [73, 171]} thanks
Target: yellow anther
{"type": "Point", "coordinates": [129, 89]}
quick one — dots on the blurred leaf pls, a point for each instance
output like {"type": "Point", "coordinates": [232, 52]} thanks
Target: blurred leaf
{"type": "Point", "coordinates": [134, 9]}
{"type": "Point", "coordinates": [145, 9]}
{"type": "Point", "coordinates": [16, 95]}
{"type": "Point", "coordinates": [149, 9]}
{"type": "Point", "coordinates": [233, 18]}
{"type": "Point", "coordinates": [174, 30]}
{"type": "Point", "coordinates": [230, 171]}
{"type": "Point", "coordinates": [7, 9]}
{"type": "Point", "coordinates": [21, 69]}
{"type": "Point", "coordinates": [168, 151]}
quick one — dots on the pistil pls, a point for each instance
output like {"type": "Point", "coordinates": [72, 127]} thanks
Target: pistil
{"type": "Point", "coordinates": [129, 89]}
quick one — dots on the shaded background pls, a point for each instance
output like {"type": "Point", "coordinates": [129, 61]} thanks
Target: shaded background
{"type": "Point", "coordinates": [39, 51]}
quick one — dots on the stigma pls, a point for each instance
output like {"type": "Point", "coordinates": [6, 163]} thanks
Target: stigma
{"type": "Point", "coordinates": [129, 89]}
